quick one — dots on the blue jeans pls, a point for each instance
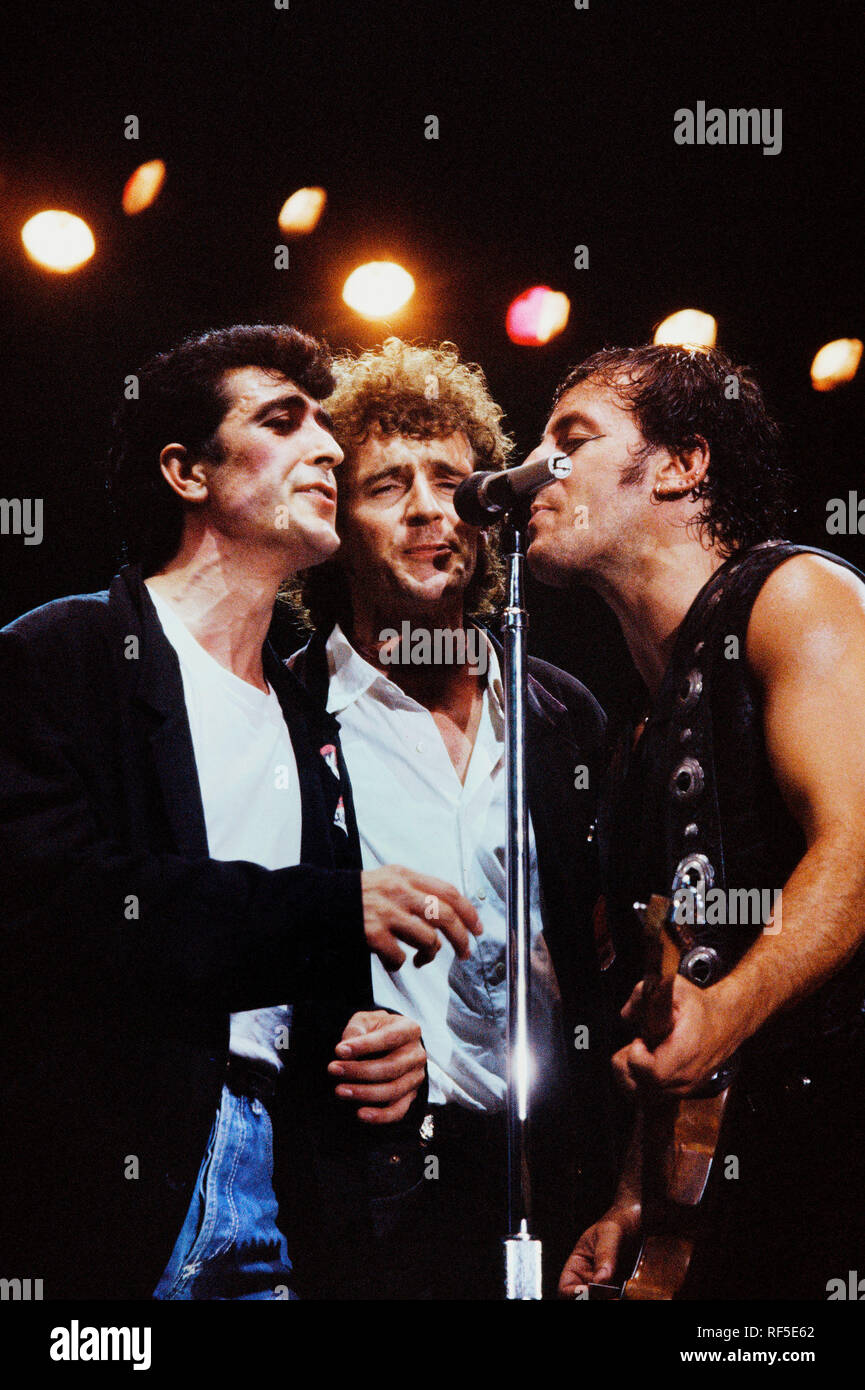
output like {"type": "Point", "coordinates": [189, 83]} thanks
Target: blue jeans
{"type": "Point", "coordinates": [230, 1246]}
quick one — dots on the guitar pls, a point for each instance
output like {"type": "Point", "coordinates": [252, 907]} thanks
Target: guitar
{"type": "Point", "coordinates": [679, 1136]}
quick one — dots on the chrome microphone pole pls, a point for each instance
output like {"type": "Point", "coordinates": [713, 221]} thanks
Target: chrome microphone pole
{"type": "Point", "coordinates": [522, 1251]}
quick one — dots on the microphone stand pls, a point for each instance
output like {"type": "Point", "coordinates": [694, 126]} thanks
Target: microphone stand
{"type": "Point", "coordinates": [522, 1251]}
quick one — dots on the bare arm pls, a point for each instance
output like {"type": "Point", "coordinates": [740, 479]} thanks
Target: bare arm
{"type": "Point", "coordinates": [806, 645]}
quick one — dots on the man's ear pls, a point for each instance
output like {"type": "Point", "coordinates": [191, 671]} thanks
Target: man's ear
{"type": "Point", "coordinates": [189, 480]}
{"type": "Point", "coordinates": [683, 471]}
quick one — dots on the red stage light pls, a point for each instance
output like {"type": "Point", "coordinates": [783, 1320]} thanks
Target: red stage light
{"type": "Point", "coordinates": [537, 315]}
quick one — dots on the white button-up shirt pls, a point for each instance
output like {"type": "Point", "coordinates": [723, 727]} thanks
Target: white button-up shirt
{"type": "Point", "coordinates": [413, 810]}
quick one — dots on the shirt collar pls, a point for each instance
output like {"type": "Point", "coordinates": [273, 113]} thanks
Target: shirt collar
{"type": "Point", "coordinates": [351, 676]}
{"type": "Point", "coordinates": [494, 679]}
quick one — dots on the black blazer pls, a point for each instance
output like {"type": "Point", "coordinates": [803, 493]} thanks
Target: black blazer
{"type": "Point", "coordinates": [125, 947]}
{"type": "Point", "coordinates": [565, 730]}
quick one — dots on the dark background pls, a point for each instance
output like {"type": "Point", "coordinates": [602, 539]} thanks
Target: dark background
{"type": "Point", "coordinates": [556, 129]}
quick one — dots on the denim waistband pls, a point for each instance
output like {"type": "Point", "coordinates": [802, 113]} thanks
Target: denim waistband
{"type": "Point", "coordinates": [246, 1077]}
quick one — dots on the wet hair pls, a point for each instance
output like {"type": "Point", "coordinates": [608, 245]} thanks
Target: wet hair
{"type": "Point", "coordinates": [422, 393]}
{"type": "Point", "coordinates": [182, 396]}
{"type": "Point", "coordinates": [677, 394]}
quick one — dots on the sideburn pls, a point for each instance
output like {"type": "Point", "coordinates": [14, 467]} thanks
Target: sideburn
{"type": "Point", "coordinates": [634, 472]}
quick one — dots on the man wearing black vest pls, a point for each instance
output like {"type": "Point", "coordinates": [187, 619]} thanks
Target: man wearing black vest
{"type": "Point", "coordinates": [739, 771]}
{"type": "Point", "coordinates": [186, 927]}
{"type": "Point", "coordinates": [400, 660]}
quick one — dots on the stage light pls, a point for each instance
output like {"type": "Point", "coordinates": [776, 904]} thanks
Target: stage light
{"type": "Point", "coordinates": [835, 363]}
{"type": "Point", "coordinates": [378, 289]}
{"type": "Point", "coordinates": [58, 240]}
{"type": "Point", "coordinates": [143, 186]}
{"type": "Point", "coordinates": [687, 328]}
{"type": "Point", "coordinates": [300, 212]}
{"type": "Point", "coordinates": [537, 315]}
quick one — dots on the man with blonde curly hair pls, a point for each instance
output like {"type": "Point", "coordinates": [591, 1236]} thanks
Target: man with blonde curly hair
{"type": "Point", "coordinates": [399, 657]}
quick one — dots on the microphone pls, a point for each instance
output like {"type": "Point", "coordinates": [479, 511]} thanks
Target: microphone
{"type": "Point", "coordinates": [484, 497]}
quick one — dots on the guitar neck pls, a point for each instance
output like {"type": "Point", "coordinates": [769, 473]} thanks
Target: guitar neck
{"type": "Point", "coordinates": [662, 965]}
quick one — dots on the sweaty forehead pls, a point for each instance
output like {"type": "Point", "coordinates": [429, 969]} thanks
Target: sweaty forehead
{"type": "Point", "coordinates": [591, 403]}
{"type": "Point", "coordinates": [380, 451]}
{"type": "Point", "coordinates": [246, 388]}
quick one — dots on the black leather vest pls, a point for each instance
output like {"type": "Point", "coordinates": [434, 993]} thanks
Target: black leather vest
{"type": "Point", "coordinates": [696, 804]}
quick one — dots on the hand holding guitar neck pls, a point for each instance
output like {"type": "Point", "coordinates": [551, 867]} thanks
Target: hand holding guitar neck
{"type": "Point", "coordinates": [672, 1150]}
{"type": "Point", "coordinates": [679, 1136]}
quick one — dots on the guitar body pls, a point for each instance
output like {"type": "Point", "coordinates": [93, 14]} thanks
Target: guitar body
{"type": "Point", "coordinates": [679, 1137]}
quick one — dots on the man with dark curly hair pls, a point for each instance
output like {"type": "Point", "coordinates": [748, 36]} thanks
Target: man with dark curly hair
{"type": "Point", "coordinates": [736, 787]}
{"type": "Point", "coordinates": [401, 661]}
{"type": "Point", "coordinates": [186, 924]}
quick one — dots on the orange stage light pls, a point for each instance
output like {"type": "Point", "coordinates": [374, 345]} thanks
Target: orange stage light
{"type": "Point", "coordinates": [143, 187]}
{"type": "Point", "coordinates": [378, 289]}
{"type": "Point", "coordinates": [687, 328]}
{"type": "Point", "coordinates": [58, 240]}
{"type": "Point", "coordinates": [835, 363]}
{"type": "Point", "coordinates": [300, 213]}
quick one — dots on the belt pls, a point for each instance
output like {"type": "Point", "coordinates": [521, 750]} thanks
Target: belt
{"type": "Point", "coordinates": [246, 1077]}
